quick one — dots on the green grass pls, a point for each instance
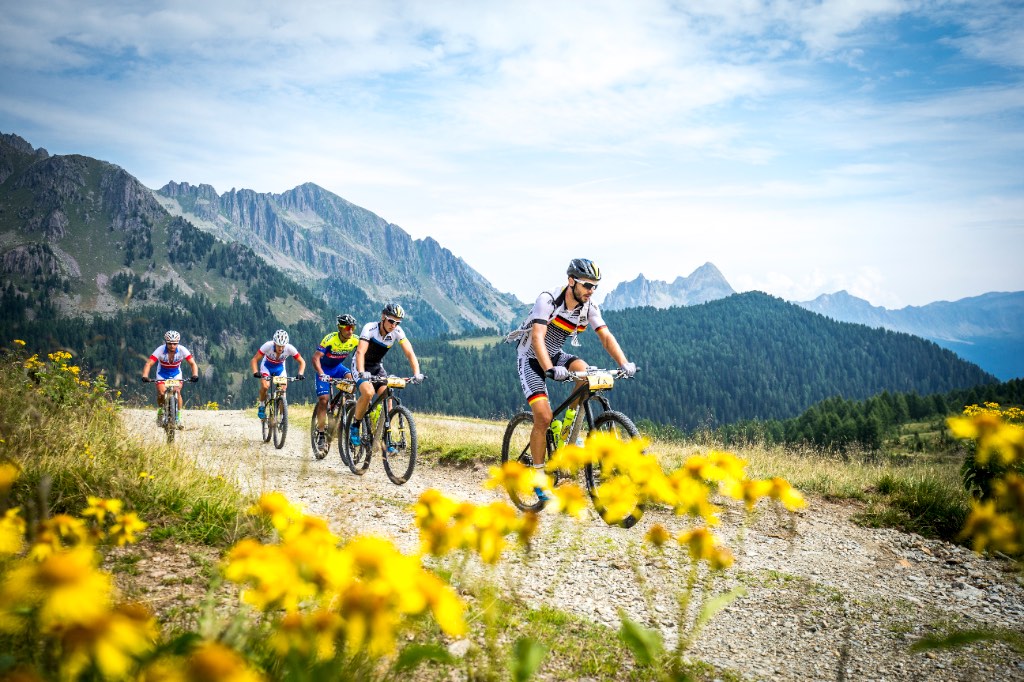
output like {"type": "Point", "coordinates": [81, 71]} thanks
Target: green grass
{"type": "Point", "coordinates": [70, 444]}
{"type": "Point", "coordinates": [478, 341]}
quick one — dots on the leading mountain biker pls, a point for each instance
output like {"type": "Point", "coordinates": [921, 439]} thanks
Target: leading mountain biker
{"type": "Point", "coordinates": [170, 356]}
{"type": "Point", "coordinates": [329, 362]}
{"type": "Point", "coordinates": [375, 340]}
{"type": "Point", "coordinates": [271, 357]}
{"type": "Point", "coordinates": [553, 321]}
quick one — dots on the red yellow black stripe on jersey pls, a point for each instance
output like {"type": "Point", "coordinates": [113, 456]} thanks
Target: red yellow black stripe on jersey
{"type": "Point", "coordinates": [535, 397]}
{"type": "Point", "coordinates": [566, 325]}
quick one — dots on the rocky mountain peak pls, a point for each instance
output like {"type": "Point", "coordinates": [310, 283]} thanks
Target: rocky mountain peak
{"type": "Point", "coordinates": [704, 284]}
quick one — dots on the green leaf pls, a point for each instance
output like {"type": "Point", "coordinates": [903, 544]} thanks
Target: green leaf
{"type": "Point", "coordinates": [414, 654]}
{"type": "Point", "coordinates": [965, 637]}
{"type": "Point", "coordinates": [645, 643]}
{"type": "Point", "coordinates": [714, 605]}
{"type": "Point", "coordinates": [526, 658]}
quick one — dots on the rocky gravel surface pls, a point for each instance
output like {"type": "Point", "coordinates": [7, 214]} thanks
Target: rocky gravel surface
{"type": "Point", "coordinates": [825, 598]}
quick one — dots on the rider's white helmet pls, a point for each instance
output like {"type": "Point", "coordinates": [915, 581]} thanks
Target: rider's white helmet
{"type": "Point", "coordinates": [281, 337]}
{"type": "Point", "coordinates": [171, 336]}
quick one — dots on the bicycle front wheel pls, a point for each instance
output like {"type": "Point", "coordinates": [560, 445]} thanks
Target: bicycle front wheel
{"type": "Point", "coordinates": [399, 445]}
{"type": "Point", "coordinates": [357, 457]}
{"type": "Point", "coordinates": [515, 447]}
{"type": "Point", "coordinates": [282, 422]}
{"type": "Point", "coordinates": [171, 414]}
{"type": "Point", "coordinates": [624, 429]}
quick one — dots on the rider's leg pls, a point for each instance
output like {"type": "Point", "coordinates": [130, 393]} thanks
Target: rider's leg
{"type": "Point", "coordinates": [321, 412]}
{"type": "Point", "coordinates": [160, 394]}
{"type": "Point", "coordinates": [541, 409]}
{"type": "Point", "coordinates": [365, 396]}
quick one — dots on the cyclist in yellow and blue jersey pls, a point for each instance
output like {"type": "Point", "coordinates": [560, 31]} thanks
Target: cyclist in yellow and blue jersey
{"type": "Point", "coordinates": [332, 359]}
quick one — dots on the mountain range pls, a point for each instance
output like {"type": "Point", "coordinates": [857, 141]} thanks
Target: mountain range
{"type": "Point", "coordinates": [987, 330]}
{"type": "Point", "coordinates": [83, 220]}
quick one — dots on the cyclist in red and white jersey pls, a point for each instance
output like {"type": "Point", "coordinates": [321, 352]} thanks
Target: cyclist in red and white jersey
{"type": "Point", "coordinates": [553, 321]}
{"type": "Point", "coordinates": [170, 356]}
{"type": "Point", "coordinates": [271, 357]}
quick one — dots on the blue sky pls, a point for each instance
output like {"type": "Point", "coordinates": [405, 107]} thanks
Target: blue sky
{"type": "Point", "coordinates": [802, 147]}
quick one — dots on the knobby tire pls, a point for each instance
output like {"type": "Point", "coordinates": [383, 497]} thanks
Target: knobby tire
{"type": "Point", "coordinates": [625, 429]}
{"type": "Point", "coordinates": [515, 447]}
{"type": "Point", "coordinates": [399, 433]}
{"type": "Point", "coordinates": [357, 457]}
{"type": "Point", "coordinates": [281, 411]}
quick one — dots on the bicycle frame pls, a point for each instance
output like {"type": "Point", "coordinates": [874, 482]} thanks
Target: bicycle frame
{"type": "Point", "coordinates": [581, 396]}
{"type": "Point", "coordinates": [391, 400]}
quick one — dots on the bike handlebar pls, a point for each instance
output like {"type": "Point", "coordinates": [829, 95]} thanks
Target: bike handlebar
{"type": "Point", "coordinates": [617, 373]}
{"type": "Point", "coordinates": [193, 379]}
{"type": "Point", "coordinates": [269, 377]}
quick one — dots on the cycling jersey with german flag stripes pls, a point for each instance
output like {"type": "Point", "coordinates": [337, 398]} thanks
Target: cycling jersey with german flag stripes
{"type": "Point", "coordinates": [561, 322]}
{"type": "Point", "coordinates": [335, 351]}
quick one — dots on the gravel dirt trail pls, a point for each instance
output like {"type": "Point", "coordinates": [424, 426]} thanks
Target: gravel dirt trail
{"type": "Point", "coordinates": [834, 601]}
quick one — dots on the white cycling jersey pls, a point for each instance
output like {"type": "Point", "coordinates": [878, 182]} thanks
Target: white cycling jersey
{"type": "Point", "coordinates": [561, 321]}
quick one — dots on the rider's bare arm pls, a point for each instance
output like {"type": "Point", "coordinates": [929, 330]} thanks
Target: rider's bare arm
{"type": "Point", "coordinates": [359, 363]}
{"type": "Point", "coordinates": [410, 355]}
{"type": "Point", "coordinates": [194, 366]}
{"type": "Point", "coordinates": [147, 367]}
{"type": "Point", "coordinates": [611, 346]}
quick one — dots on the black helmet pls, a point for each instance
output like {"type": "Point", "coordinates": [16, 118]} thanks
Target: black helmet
{"type": "Point", "coordinates": [394, 310]}
{"type": "Point", "coordinates": [583, 268]}
{"type": "Point", "coordinates": [346, 321]}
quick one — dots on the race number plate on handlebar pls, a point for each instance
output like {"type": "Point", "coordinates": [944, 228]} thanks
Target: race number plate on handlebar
{"type": "Point", "coordinates": [345, 386]}
{"type": "Point", "coordinates": [396, 382]}
{"type": "Point", "coordinates": [280, 381]}
{"type": "Point", "coordinates": [172, 383]}
{"type": "Point", "coordinates": [600, 380]}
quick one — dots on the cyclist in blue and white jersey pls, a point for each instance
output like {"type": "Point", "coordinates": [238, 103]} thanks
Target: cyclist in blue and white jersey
{"type": "Point", "coordinates": [169, 356]}
{"type": "Point", "coordinates": [271, 357]}
{"type": "Point", "coordinates": [375, 340]}
{"type": "Point", "coordinates": [553, 321]}
{"type": "Point", "coordinates": [329, 361]}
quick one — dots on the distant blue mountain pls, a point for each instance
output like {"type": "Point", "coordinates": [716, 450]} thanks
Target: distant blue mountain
{"type": "Point", "coordinates": [987, 330]}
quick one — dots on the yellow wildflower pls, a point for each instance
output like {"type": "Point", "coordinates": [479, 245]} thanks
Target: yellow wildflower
{"type": "Point", "coordinates": [99, 508]}
{"type": "Point", "coordinates": [12, 532]}
{"type": "Point", "coordinates": [19, 342]}
{"type": "Point", "coordinates": [616, 499]}
{"type": "Point", "coordinates": [278, 508]}
{"type": "Point", "coordinates": [9, 473]}
{"type": "Point", "coordinates": [658, 535]}
{"type": "Point", "coordinates": [986, 527]}
{"type": "Point", "coordinates": [786, 494]}
{"type": "Point", "coordinates": [214, 662]}
{"type": "Point", "coordinates": [993, 436]}
{"type": "Point", "coordinates": [570, 499]}
{"type": "Point", "coordinates": [113, 642]}
{"type": "Point", "coordinates": [126, 527]}
{"type": "Point", "coordinates": [145, 476]}
{"type": "Point", "coordinates": [701, 543]}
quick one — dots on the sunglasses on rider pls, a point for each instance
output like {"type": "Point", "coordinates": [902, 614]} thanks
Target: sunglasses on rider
{"type": "Point", "coordinates": [392, 320]}
{"type": "Point", "coordinates": [347, 327]}
{"type": "Point", "coordinates": [589, 286]}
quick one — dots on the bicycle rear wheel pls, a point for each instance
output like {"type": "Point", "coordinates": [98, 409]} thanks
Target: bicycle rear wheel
{"type": "Point", "coordinates": [266, 421]}
{"type": "Point", "coordinates": [623, 428]}
{"type": "Point", "coordinates": [399, 445]}
{"type": "Point", "coordinates": [515, 447]}
{"type": "Point", "coordinates": [357, 457]}
{"type": "Point", "coordinates": [281, 417]}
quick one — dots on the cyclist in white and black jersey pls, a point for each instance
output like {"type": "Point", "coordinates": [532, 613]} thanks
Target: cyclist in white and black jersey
{"type": "Point", "coordinates": [375, 340]}
{"type": "Point", "coordinates": [553, 321]}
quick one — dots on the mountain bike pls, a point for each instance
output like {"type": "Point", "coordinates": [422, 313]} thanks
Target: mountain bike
{"type": "Point", "coordinates": [515, 446]}
{"type": "Point", "coordinates": [342, 394]}
{"type": "Point", "coordinates": [275, 424]}
{"type": "Point", "coordinates": [387, 422]}
{"type": "Point", "coordinates": [169, 421]}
